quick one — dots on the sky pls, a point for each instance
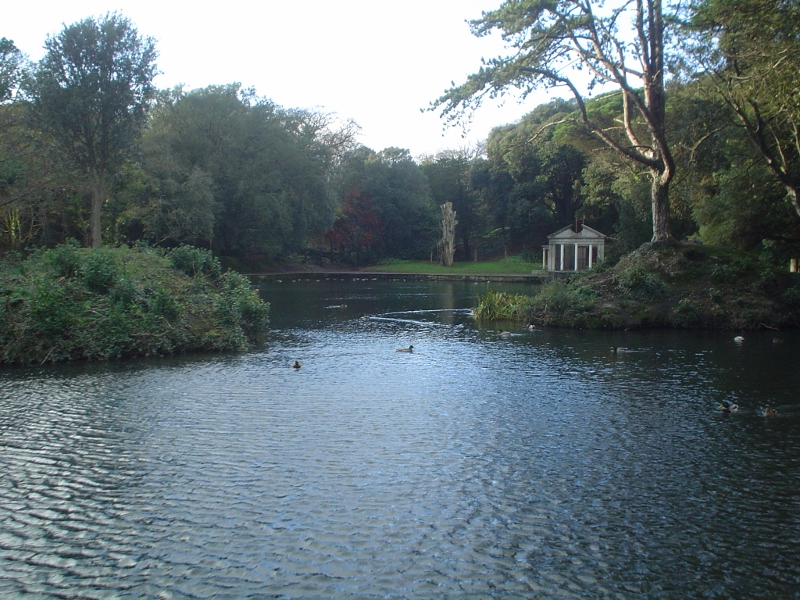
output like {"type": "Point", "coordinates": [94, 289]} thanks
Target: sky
{"type": "Point", "coordinates": [377, 62]}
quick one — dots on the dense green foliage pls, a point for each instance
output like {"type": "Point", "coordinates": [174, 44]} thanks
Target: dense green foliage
{"type": "Point", "coordinates": [225, 169]}
{"type": "Point", "coordinates": [91, 92]}
{"type": "Point", "coordinates": [553, 43]}
{"type": "Point", "coordinates": [250, 177]}
{"type": "Point", "coordinates": [71, 303]}
{"type": "Point", "coordinates": [674, 285]}
{"type": "Point", "coordinates": [387, 209]}
{"type": "Point", "coordinates": [704, 150]}
{"type": "Point", "coordinates": [748, 53]}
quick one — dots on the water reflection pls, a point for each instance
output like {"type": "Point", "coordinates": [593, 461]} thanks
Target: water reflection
{"type": "Point", "coordinates": [478, 466]}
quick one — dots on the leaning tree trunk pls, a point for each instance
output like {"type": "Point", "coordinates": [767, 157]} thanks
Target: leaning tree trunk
{"type": "Point", "coordinates": [448, 241]}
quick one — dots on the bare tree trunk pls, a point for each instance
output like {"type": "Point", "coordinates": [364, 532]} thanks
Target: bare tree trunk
{"type": "Point", "coordinates": [659, 194]}
{"type": "Point", "coordinates": [448, 242]}
{"type": "Point", "coordinates": [98, 200]}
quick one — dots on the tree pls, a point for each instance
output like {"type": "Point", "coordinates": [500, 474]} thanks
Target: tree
{"type": "Point", "coordinates": [11, 69]}
{"type": "Point", "coordinates": [92, 90]}
{"type": "Point", "coordinates": [448, 176]}
{"type": "Point", "coordinates": [267, 168]}
{"type": "Point", "coordinates": [749, 53]}
{"type": "Point", "coordinates": [447, 245]}
{"type": "Point", "coordinates": [554, 43]}
{"type": "Point", "coordinates": [357, 229]}
{"type": "Point", "coordinates": [399, 195]}
{"type": "Point", "coordinates": [494, 185]}
{"type": "Point", "coordinates": [35, 185]}
{"type": "Point", "coordinates": [546, 171]}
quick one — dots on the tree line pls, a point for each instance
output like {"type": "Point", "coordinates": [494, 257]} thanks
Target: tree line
{"type": "Point", "coordinates": [682, 123]}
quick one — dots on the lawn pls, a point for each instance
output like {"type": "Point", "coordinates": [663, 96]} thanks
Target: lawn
{"type": "Point", "coordinates": [506, 266]}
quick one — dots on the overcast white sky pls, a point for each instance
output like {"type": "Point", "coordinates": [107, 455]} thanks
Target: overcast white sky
{"type": "Point", "coordinates": [377, 62]}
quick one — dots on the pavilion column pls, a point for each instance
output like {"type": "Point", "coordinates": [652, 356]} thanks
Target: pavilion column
{"type": "Point", "coordinates": [561, 246]}
{"type": "Point", "coordinates": [576, 257]}
{"type": "Point", "coordinates": [590, 255]}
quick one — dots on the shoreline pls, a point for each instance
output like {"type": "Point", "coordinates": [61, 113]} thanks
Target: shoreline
{"type": "Point", "coordinates": [390, 276]}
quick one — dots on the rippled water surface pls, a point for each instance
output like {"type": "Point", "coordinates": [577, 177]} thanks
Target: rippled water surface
{"type": "Point", "coordinates": [478, 466]}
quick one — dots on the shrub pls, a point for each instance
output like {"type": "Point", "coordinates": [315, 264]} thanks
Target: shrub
{"type": "Point", "coordinates": [773, 281]}
{"type": "Point", "coordinates": [724, 273]}
{"type": "Point", "coordinates": [240, 307]}
{"type": "Point", "coordinates": [64, 259]}
{"type": "Point", "coordinates": [687, 313]}
{"type": "Point", "coordinates": [160, 302]}
{"type": "Point", "coordinates": [70, 303]}
{"type": "Point", "coordinates": [639, 283]}
{"type": "Point", "coordinates": [124, 292]}
{"type": "Point", "coordinates": [559, 298]}
{"type": "Point", "coordinates": [99, 271]}
{"type": "Point", "coordinates": [52, 309]}
{"type": "Point", "coordinates": [195, 261]}
{"type": "Point", "coordinates": [791, 297]}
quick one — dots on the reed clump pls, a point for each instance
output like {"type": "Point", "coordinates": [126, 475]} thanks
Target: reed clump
{"type": "Point", "coordinates": [501, 306]}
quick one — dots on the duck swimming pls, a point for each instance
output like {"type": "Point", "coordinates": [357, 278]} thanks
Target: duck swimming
{"type": "Point", "coordinates": [731, 408]}
{"type": "Point", "coordinates": [619, 350]}
{"type": "Point", "coordinates": [409, 349]}
{"type": "Point", "coordinates": [770, 412]}
{"type": "Point", "coordinates": [296, 365]}
{"type": "Point", "coordinates": [738, 339]}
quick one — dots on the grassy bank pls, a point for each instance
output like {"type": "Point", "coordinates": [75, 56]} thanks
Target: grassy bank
{"type": "Point", "coordinates": [507, 266]}
{"type": "Point", "coordinates": [71, 303]}
{"type": "Point", "coordinates": [663, 285]}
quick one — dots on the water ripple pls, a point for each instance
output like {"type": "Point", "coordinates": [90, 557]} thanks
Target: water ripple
{"type": "Point", "coordinates": [475, 467]}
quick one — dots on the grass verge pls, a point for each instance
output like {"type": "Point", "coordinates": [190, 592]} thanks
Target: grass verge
{"type": "Point", "coordinates": [506, 266]}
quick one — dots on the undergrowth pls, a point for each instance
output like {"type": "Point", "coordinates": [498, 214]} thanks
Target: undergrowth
{"type": "Point", "coordinates": [662, 285]}
{"type": "Point", "coordinates": [71, 303]}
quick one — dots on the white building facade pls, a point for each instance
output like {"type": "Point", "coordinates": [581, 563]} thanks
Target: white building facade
{"type": "Point", "coordinates": [570, 250]}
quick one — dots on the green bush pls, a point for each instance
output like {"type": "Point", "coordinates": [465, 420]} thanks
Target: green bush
{"type": "Point", "coordinates": [160, 302]}
{"type": "Point", "coordinates": [70, 303]}
{"type": "Point", "coordinates": [195, 261]}
{"type": "Point", "coordinates": [559, 298]}
{"type": "Point", "coordinates": [791, 297]}
{"type": "Point", "coordinates": [774, 281]}
{"type": "Point", "coordinates": [724, 273]}
{"type": "Point", "coordinates": [99, 271]}
{"type": "Point", "coordinates": [639, 283]}
{"type": "Point", "coordinates": [240, 307]}
{"type": "Point", "coordinates": [64, 260]}
{"type": "Point", "coordinates": [52, 309]}
{"type": "Point", "coordinates": [687, 313]}
{"type": "Point", "coordinates": [124, 292]}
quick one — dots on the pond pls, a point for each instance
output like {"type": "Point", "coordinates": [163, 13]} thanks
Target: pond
{"type": "Point", "coordinates": [480, 465]}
